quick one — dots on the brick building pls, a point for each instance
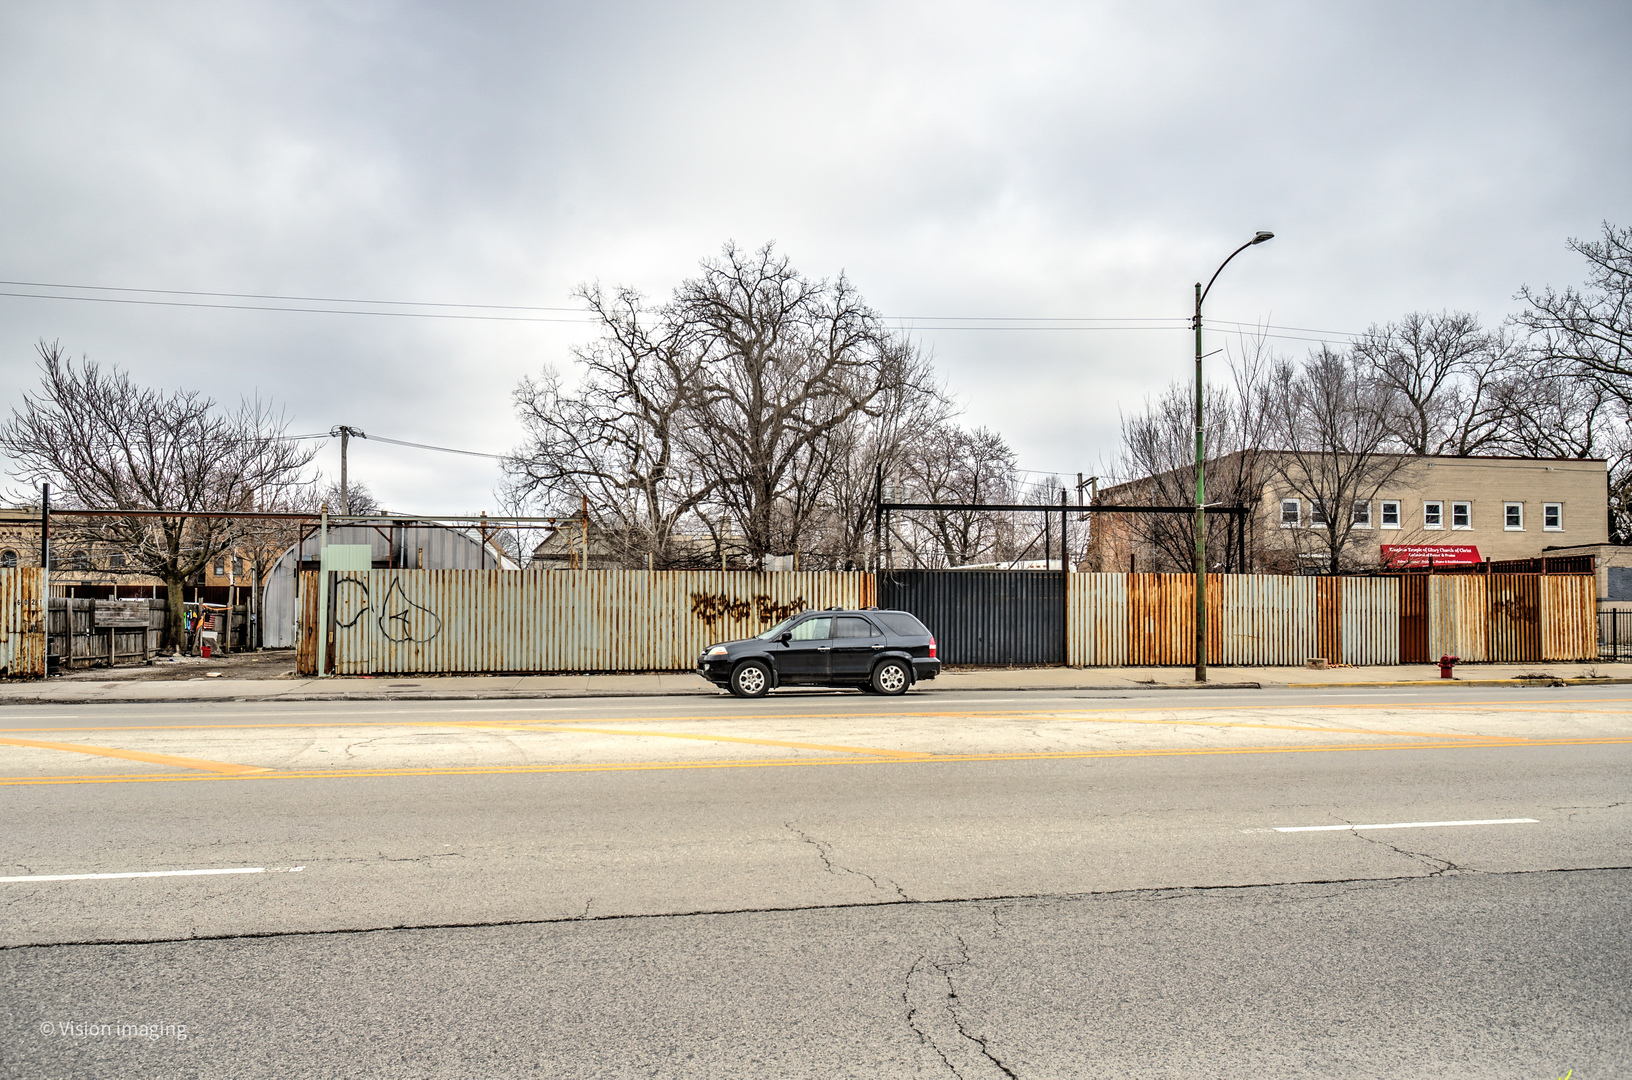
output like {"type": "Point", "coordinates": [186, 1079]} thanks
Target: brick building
{"type": "Point", "coordinates": [1502, 507]}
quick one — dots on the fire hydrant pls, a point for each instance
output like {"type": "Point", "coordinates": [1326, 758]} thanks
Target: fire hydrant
{"type": "Point", "coordinates": [1445, 663]}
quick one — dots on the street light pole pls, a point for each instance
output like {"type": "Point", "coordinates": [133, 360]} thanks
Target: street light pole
{"type": "Point", "coordinates": [1201, 482]}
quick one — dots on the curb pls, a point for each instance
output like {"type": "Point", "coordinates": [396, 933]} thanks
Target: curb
{"type": "Point", "coordinates": [547, 695]}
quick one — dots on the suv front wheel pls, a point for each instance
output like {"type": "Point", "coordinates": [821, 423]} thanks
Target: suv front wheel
{"type": "Point", "coordinates": [751, 678]}
{"type": "Point", "coordinates": [891, 677]}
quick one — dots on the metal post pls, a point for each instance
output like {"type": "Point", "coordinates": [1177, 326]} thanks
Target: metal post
{"type": "Point", "coordinates": [1201, 512]}
{"type": "Point", "coordinates": [1201, 486]}
{"type": "Point", "coordinates": [345, 491]}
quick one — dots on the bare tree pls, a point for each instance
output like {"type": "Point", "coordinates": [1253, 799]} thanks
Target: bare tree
{"type": "Point", "coordinates": [786, 362]}
{"type": "Point", "coordinates": [952, 465]}
{"type": "Point", "coordinates": [1333, 426]}
{"type": "Point", "coordinates": [107, 443]}
{"type": "Point", "coordinates": [1589, 329]}
{"type": "Point", "coordinates": [1447, 378]}
{"type": "Point", "coordinates": [1159, 452]}
{"type": "Point", "coordinates": [616, 444]}
{"type": "Point", "coordinates": [756, 397]}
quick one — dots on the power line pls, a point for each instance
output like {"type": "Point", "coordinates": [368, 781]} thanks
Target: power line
{"type": "Point", "coordinates": [427, 446]}
{"type": "Point", "coordinates": [934, 322]}
{"type": "Point", "coordinates": [309, 310]}
{"type": "Point", "coordinates": [278, 296]}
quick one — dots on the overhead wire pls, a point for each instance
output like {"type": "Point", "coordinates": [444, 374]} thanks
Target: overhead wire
{"type": "Point", "coordinates": [918, 322]}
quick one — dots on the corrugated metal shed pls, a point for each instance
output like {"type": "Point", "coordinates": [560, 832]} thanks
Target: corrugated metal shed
{"type": "Point", "coordinates": [415, 621]}
{"type": "Point", "coordinates": [22, 623]}
{"type": "Point", "coordinates": [431, 547]}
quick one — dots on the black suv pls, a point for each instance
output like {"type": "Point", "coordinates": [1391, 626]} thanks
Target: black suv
{"type": "Point", "coordinates": [879, 652]}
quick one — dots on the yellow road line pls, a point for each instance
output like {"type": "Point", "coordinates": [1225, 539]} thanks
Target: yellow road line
{"type": "Point", "coordinates": [487, 770]}
{"type": "Point", "coordinates": [872, 750]}
{"type": "Point", "coordinates": [141, 755]}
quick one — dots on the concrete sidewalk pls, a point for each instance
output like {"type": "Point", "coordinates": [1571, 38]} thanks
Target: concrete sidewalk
{"type": "Point", "coordinates": [85, 688]}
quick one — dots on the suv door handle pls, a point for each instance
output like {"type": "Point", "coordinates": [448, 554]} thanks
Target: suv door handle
{"type": "Point", "coordinates": [824, 648]}
{"type": "Point", "coordinates": [878, 646]}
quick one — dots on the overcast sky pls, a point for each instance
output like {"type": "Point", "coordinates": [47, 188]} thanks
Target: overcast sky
{"type": "Point", "coordinates": [988, 161]}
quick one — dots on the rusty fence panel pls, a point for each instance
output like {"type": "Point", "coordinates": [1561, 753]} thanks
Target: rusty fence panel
{"type": "Point", "coordinates": [470, 621]}
{"type": "Point", "coordinates": [1513, 618]}
{"type": "Point", "coordinates": [1569, 617]}
{"type": "Point", "coordinates": [22, 623]}
{"type": "Point", "coordinates": [1252, 619]}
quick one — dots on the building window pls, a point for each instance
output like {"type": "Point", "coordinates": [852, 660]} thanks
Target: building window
{"type": "Point", "coordinates": [1291, 513]}
{"type": "Point", "coordinates": [1361, 517]}
{"type": "Point", "coordinates": [1461, 515]}
{"type": "Point", "coordinates": [1391, 513]}
{"type": "Point", "coordinates": [1433, 515]}
{"type": "Point", "coordinates": [220, 569]}
{"type": "Point", "coordinates": [8, 560]}
{"type": "Point", "coordinates": [1513, 517]}
{"type": "Point", "coordinates": [1317, 514]}
{"type": "Point", "coordinates": [117, 559]}
{"type": "Point", "coordinates": [238, 566]}
{"type": "Point", "coordinates": [1552, 517]}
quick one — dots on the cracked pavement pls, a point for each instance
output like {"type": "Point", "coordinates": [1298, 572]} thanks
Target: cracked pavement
{"type": "Point", "coordinates": [811, 906]}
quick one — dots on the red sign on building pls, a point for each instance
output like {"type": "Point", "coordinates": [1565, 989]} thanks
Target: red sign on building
{"type": "Point", "coordinates": [1408, 555]}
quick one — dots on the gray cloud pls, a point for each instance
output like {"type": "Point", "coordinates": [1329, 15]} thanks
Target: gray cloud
{"type": "Point", "coordinates": [955, 160]}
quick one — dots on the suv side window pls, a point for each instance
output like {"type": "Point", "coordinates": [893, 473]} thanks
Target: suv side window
{"type": "Point", "coordinates": [902, 625]}
{"type": "Point", "coordinates": [850, 626]}
{"type": "Point", "coordinates": [813, 629]}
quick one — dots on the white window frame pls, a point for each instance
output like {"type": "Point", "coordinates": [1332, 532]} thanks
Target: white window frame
{"type": "Point", "coordinates": [1360, 514]}
{"type": "Point", "coordinates": [1297, 513]}
{"type": "Point", "coordinates": [1439, 514]}
{"type": "Point", "coordinates": [1466, 510]}
{"type": "Point", "coordinates": [1317, 514]}
{"type": "Point", "coordinates": [1395, 503]}
{"type": "Point", "coordinates": [1507, 517]}
{"type": "Point", "coordinates": [1556, 510]}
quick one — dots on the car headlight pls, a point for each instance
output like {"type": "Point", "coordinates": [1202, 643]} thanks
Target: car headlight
{"type": "Point", "coordinates": [718, 650]}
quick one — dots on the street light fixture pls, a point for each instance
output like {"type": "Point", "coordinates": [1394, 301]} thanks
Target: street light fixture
{"type": "Point", "coordinates": [1201, 484]}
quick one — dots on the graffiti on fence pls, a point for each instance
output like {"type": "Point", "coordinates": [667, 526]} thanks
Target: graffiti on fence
{"type": "Point", "coordinates": [403, 620]}
{"type": "Point", "coordinates": [712, 607]}
{"type": "Point", "coordinates": [350, 604]}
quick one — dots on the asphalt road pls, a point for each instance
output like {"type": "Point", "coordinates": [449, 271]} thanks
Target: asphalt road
{"type": "Point", "coordinates": [817, 885]}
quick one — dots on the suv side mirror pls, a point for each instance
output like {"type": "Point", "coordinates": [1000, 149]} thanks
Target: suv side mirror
{"type": "Point", "coordinates": [787, 636]}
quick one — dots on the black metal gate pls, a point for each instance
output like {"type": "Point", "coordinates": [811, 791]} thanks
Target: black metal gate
{"type": "Point", "coordinates": [984, 616]}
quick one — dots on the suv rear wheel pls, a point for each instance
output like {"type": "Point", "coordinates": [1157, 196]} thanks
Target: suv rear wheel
{"type": "Point", "coordinates": [751, 678]}
{"type": "Point", "coordinates": [891, 677]}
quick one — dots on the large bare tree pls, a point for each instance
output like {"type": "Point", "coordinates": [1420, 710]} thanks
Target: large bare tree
{"type": "Point", "coordinates": [752, 403]}
{"type": "Point", "coordinates": [1332, 428]}
{"type": "Point", "coordinates": [1447, 378]}
{"type": "Point", "coordinates": [106, 442]}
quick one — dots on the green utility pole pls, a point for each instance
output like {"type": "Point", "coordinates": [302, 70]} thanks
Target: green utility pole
{"type": "Point", "coordinates": [1201, 457]}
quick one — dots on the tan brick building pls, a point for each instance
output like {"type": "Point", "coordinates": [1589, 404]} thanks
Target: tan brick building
{"type": "Point", "coordinates": [1506, 508]}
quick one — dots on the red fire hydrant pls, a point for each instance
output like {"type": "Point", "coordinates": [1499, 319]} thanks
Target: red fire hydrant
{"type": "Point", "coordinates": [1445, 663]}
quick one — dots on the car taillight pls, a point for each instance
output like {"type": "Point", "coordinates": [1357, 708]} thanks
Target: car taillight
{"type": "Point", "coordinates": [932, 646]}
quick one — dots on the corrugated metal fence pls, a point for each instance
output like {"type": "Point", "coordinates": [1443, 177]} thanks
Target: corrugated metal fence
{"type": "Point", "coordinates": [22, 623]}
{"type": "Point", "coordinates": [405, 621]}
{"type": "Point", "coordinates": [1255, 619]}
{"type": "Point", "coordinates": [984, 616]}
